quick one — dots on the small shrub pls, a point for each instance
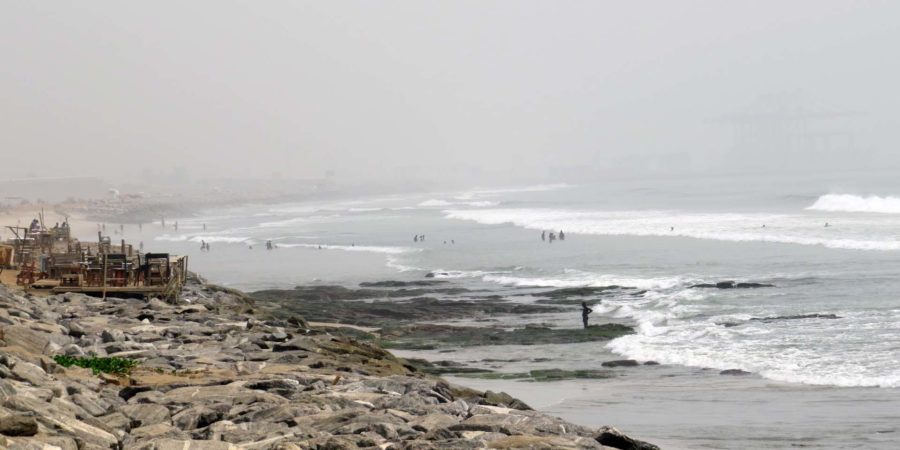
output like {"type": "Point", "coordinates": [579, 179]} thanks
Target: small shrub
{"type": "Point", "coordinates": [117, 366]}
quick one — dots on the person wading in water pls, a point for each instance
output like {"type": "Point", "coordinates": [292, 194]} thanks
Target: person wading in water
{"type": "Point", "coordinates": [584, 313]}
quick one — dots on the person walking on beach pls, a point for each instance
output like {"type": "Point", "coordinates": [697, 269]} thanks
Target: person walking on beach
{"type": "Point", "coordinates": [584, 313]}
{"type": "Point", "coordinates": [552, 237]}
{"type": "Point", "coordinates": [562, 236]}
{"type": "Point", "coordinates": [543, 235]}
{"type": "Point", "coordinates": [416, 238]}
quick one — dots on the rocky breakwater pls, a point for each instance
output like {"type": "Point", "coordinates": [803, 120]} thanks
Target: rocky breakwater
{"type": "Point", "coordinates": [213, 373]}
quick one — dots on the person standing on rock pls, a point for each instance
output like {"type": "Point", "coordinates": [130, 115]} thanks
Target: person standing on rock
{"type": "Point", "coordinates": [584, 313]}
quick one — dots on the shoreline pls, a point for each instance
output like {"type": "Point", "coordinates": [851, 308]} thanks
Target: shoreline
{"type": "Point", "coordinates": [254, 381]}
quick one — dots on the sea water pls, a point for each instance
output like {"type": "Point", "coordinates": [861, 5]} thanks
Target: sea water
{"type": "Point", "coordinates": [829, 245]}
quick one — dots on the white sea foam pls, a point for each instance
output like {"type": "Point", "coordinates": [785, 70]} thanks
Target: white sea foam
{"type": "Point", "coordinates": [440, 273]}
{"type": "Point", "coordinates": [482, 204]}
{"type": "Point", "coordinates": [435, 202]}
{"type": "Point", "coordinates": [284, 223]}
{"type": "Point", "coordinates": [584, 279]}
{"type": "Point", "coordinates": [488, 192]}
{"type": "Point", "coordinates": [201, 238]}
{"type": "Point", "coordinates": [393, 261]}
{"type": "Point", "coordinates": [855, 203]}
{"type": "Point", "coordinates": [782, 357]}
{"type": "Point", "coordinates": [357, 248]}
{"type": "Point", "coordinates": [443, 203]}
{"type": "Point", "coordinates": [856, 234]}
{"type": "Point", "coordinates": [680, 327]}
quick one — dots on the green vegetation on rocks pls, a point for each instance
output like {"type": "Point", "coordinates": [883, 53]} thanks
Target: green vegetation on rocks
{"type": "Point", "coordinates": [116, 366]}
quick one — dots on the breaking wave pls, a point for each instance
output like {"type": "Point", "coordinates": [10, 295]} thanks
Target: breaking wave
{"type": "Point", "coordinates": [441, 203]}
{"type": "Point", "coordinates": [855, 203]}
{"type": "Point", "coordinates": [575, 278]}
{"type": "Point", "coordinates": [202, 238]}
{"type": "Point", "coordinates": [874, 234]}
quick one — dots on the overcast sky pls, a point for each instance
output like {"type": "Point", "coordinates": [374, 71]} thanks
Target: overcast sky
{"type": "Point", "coordinates": [380, 88]}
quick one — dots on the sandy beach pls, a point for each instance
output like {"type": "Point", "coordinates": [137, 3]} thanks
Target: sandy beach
{"type": "Point", "coordinates": [22, 215]}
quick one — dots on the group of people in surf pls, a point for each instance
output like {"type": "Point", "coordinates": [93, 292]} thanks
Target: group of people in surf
{"type": "Point", "coordinates": [553, 236]}
{"type": "Point", "coordinates": [421, 238]}
{"type": "Point", "coordinates": [204, 246]}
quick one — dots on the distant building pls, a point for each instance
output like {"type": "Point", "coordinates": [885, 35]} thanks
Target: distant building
{"type": "Point", "coordinates": [787, 131]}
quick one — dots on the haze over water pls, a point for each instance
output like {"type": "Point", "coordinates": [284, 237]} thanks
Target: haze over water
{"type": "Point", "coordinates": [661, 240]}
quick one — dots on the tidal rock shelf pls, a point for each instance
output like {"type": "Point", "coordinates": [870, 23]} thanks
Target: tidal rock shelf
{"type": "Point", "coordinates": [216, 372]}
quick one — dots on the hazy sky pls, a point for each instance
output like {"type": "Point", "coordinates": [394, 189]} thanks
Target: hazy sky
{"type": "Point", "coordinates": [382, 88]}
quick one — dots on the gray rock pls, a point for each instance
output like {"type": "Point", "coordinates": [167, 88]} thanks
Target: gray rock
{"type": "Point", "coordinates": [31, 340]}
{"type": "Point", "coordinates": [284, 387]}
{"type": "Point", "coordinates": [156, 431]}
{"type": "Point", "coordinates": [31, 373]}
{"type": "Point", "coordinates": [44, 442]}
{"type": "Point", "coordinates": [614, 438]}
{"type": "Point", "coordinates": [621, 363]}
{"type": "Point", "coordinates": [178, 444]}
{"type": "Point", "coordinates": [233, 393]}
{"type": "Point", "coordinates": [491, 423]}
{"type": "Point", "coordinates": [145, 414]}
{"type": "Point", "coordinates": [433, 421]}
{"type": "Point", "coordinates": [73, 350]}
{"type": "Point", "coordinates": [116, 421]}
{"type": "Point", "coordinates": [62, 421]}
{"type": "Point", "coordinates": [734, 372]}
{"type": "Point", "coordinates": [300, 343]}
{"type": "Point", "coordinates": [91, 403]}
{"type": "Point", "coordinates": [18, 425]}
{"type": "Point", "coordinates": [197, 417]}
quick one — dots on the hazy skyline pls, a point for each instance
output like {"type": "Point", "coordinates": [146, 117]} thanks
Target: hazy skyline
{"type": "Point", "coordinates": [383, 89]}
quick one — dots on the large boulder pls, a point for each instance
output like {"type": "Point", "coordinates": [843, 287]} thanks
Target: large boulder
{"type": "Point", "coordinates": [32, 373]}
{"type": "Point", "coordinates": [614, 438]}
{"type": "Point", "coordinates": [179, 444]}
{"type": "Point", "coordinates": [61, 420]}
{"type": "Point", "coordinates": [18, 425]}
{"type": "Point", "coordinates": [145, 414]}
{"type": "Point", "coordinates": [33, 341]}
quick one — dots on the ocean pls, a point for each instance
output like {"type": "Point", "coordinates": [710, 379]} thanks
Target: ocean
{"type": "Point", "coordinates": [829, 245]}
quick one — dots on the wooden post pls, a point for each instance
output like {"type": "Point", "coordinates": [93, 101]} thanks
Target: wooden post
{"type": "Point", "coordinates": [104, 275]}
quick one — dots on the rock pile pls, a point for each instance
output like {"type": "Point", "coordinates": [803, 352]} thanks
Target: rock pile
{"type": "Point", "coordinates": [216, 375]}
